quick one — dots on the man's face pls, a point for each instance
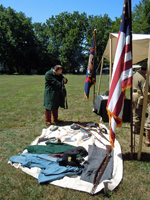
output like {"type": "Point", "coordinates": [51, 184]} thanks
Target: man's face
{"type": "Point", "coordinates": [58, 72]}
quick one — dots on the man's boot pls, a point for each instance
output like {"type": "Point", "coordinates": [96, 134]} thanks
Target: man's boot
{"type": "Point", "coordinates": [48, 117]}
{"type": "Point", "coordinates": [55, 117]}
{"type": "Point", "coordinates": [147, 139]}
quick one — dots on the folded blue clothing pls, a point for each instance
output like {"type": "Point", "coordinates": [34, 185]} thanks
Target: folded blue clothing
{"type": "Point", "coordinates": [50, 168]}
{"type": "Point", "coordinates": [33, 160]}
{"type": "Point", "coordinates": [54, 172]}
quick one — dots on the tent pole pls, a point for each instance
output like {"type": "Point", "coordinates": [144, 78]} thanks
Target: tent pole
{"type": "Point", "coordinates": [94, 63]}
{"type": "Point", "coordinates": [100, 76]}
{"type": "Point", "coordinates": [131, 114]}
{"type": "Point", "coordinates": [144, 107]}
{"type": "Point", "coordinates": [131, 123]}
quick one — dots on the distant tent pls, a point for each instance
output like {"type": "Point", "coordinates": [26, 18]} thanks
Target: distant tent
{"type": "Point", "coordinates": [106, 68]}
{"type": "Point", "coordinates": [136, 66]}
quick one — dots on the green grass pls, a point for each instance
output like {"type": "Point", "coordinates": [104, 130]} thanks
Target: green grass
{"type": "Point", "coordinates": [22, 119]}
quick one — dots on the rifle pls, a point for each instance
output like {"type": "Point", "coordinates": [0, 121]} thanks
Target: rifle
{"type": "Point", "coordinates": [99, 132]}
{"type": "Point", "coordinates": [139, 84]}
{"type": "Point", "coordinates": [101, 168]}
{"type": "Point", "coordinates": [89, 129]}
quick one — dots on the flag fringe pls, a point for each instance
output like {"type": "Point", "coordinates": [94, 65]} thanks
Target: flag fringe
{"type": "Point", "coordinates": [86, 96]}
{"type": "Point", "coordinates": [90, 87]}
{"type": "Point", "coordinates": [127, 87]}
{"type": "Point", "coordinates": [111, 140]}
{"type": "Point", "coordinates": [110, 114]}
{"type": "Point", "coordinates": [93, 84]}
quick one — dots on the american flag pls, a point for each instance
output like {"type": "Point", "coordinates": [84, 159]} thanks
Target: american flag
{"type": "Point", "coordinates": [122, 73]}
{"type": "Point", "coordinates": [91, 74]}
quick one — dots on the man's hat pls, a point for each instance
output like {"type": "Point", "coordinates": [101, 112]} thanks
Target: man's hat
{"type": "Point", "coordinates": [75, 127]}
{"type": "Point", "coordinates": [69, 158]}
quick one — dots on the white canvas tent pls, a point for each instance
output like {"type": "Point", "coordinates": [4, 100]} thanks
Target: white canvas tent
{"type": "Point", "coordinates": [140, 51]}
{"type": "Point", "coordinates": [140, 45]}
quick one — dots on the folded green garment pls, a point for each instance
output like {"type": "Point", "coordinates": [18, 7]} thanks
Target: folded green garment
{"type": "Point", "coordinates": [49, 148]}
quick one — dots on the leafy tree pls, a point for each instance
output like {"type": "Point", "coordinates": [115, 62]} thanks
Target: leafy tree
{"type": "Point", "coordinates": [45, 59]}
{"type": "Point", "coordinates": [18, 48]}
{"type": "Point", "coordinates": [64, 39]}
{"type": "Point", "coordinates": [5, 42]}
{"type": "Point", "coordinates": [141, 17]}
{"type": "Point", "coordinates": [66, 36]}
{"type": "Point", "coordinates": [116, 25]}
{"type": "Point", "coordinates": [103, 27]}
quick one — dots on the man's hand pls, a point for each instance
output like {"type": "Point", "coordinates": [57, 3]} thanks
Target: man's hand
{"type": "Point", "coordinates": [64, 80]}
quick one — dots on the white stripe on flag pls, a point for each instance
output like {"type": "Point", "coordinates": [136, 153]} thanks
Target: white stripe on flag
{"type": "Point", "coordinates": [128, 40]}
{"type": "Point", "coordinates": [113, 125]}
{"type": "Point", "coordinates": [127, 56]}
{"type": "Point", "coordinates": [126, 74]}
{"type": "Point", "coordinates": [115, 96]}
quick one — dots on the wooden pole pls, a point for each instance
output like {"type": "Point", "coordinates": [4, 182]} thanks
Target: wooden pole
{"type": "Point", "coordinates": [144, 107]}
{"type": "Point", "coordinates": [93, 95]}
{"type": "Point", "coordinates": [110, 70]}
{"type": "Point", "coordinates": [94, 62]}
{"type": "Point", "coordinates": [98, 93]}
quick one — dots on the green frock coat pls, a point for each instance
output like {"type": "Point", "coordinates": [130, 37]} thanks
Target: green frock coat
{"type": "Point", "coordinates": [53, 85]}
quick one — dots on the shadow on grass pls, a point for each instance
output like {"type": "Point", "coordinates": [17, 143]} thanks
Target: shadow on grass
{"type": "Point", "coordinates": [67, 123]}
{"type": "Point", "coordinates": [145, 157]}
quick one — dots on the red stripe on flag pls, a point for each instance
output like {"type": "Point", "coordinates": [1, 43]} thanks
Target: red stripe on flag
{"type": "Point", "coordinates": [128, 65]}
{"type": "Point", "coordinates": [126, 83]}
{"type": "Point", "coordinates": [128, 48]}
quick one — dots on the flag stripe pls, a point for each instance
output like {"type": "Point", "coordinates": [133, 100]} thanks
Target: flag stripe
{"type": "Point", "coordinates": [114, 82]}
{"type": "Point", "coordinates": [119, 76]}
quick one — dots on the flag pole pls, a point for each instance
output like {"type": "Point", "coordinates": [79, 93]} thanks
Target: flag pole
{"type": "Point", "coordinates": [94, 63]}
{"type": "Point", "coordinates": [144, 107]}
{"type": "Point", "coordinates": [131, 115]}
{"type": "Point", "coordinates": [100, 76]}
{"type": "Point", "coordinates": [110, 63]}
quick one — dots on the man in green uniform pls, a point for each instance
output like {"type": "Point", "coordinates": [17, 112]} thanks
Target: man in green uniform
{"type": "Point", "coordinates": [139, 79]}
{"type": "Point", "coordinates": [52, 95]}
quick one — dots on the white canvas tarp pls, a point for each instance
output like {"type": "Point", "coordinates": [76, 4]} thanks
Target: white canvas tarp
{"type": "Point", "coordinates": [140, 45]}
{"type": "Point", "coordinates": [74, 181]}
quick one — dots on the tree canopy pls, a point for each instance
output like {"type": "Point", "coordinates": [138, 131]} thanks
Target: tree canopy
{"type": "Point", "coordinates": [63, 39]}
